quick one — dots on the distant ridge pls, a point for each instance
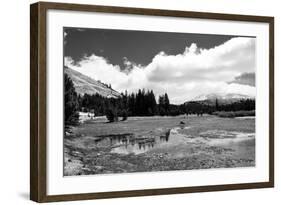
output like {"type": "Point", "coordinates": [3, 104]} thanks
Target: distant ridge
{"type": "Point", "coordinates": [84, 84]}
{"type": "Point", "coordinates": [222, 98]}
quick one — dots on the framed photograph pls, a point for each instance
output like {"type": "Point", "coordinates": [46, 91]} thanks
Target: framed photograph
{"type": "Point", "coordinates": [134, 102]}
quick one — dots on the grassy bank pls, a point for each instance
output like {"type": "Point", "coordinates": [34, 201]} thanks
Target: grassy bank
{"type": "Point", "coordinates": [231, 114]}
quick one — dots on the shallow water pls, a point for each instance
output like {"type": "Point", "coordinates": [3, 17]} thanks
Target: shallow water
{"type": "Point", "coordinates": [173, 141]}
{"type": "Point", "coordinates": [138, 145]}
{"type": "Point", "coordinates": [246, 117]}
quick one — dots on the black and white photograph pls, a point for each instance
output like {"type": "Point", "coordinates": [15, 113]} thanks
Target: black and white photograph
{"type": "Point", "coordinates": [149, 101]}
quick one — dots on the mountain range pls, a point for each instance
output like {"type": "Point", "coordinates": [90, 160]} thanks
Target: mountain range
{"type": "Point", "coordinates": [222, 98]}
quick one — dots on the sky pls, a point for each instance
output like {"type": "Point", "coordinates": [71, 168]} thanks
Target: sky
{"type": "Point", "coordinates": [184, 65]}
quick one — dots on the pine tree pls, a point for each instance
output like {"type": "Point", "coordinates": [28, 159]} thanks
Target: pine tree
{"type": "Point", "coordinates": [217, 104]}
{"type": "Point", "coordinates": [153, 104]}
{"type": "Point", "coordinates": [71, 104]}
{"type": "Point", "coordinates": [166, 103]}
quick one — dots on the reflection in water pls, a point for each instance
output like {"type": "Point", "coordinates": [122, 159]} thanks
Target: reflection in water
{"type": "Point", "coordinates": [129, 143]}
{"type": "Point", "coordinates": [132, 144]}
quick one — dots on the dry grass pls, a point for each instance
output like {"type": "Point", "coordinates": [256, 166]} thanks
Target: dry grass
{"type": "Point", "coordinates": [231, 114]}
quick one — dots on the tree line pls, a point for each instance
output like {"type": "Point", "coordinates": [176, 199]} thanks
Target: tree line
{"type": "Point", "coordinates": [141, 103]}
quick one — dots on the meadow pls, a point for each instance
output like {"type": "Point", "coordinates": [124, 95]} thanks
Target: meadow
{"type": "Point", "coordinates": [142, 144]}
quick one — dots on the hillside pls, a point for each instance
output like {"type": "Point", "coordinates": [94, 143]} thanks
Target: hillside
{"type": "Point", "coordinates": [84, 84]}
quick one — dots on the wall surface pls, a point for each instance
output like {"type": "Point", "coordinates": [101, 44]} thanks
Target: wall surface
{"type": "Point", "coordinates": [14, 103]}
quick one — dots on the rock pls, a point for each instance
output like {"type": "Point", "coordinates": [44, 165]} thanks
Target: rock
{"type": "Point", "coordinates": [160, 155]}
{"type": "Point", "coordinates": [98, 168]}
{"type": "Point", "coordinates": [182, 123]}
{"type": "Point", "coordinates": [86, 169]}
{"type": "Point", "coordinates": [76, 153]}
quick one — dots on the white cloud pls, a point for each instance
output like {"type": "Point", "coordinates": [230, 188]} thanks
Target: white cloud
{"type": "Point", "coordinates": [184, 76]}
